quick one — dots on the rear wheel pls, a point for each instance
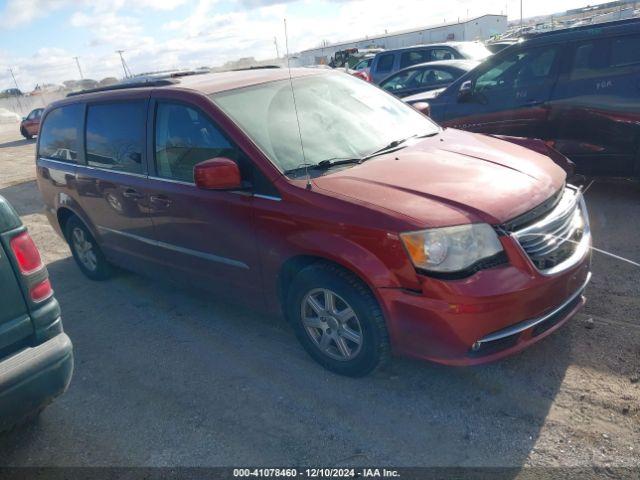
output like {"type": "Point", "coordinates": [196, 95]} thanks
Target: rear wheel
{"type": "Point", "coordinates": [86, 251]}
{"type": "Point", "coordinates": [338, 320]}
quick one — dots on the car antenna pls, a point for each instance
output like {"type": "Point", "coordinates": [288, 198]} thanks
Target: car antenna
{"type": "Point", "coordinates": [295, 107]}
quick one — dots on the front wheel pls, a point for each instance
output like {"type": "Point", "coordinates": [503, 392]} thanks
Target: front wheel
{"type": "Point", "coordinates": [25, 134]}
{"type": "Point", "coordinates": [338, 320]}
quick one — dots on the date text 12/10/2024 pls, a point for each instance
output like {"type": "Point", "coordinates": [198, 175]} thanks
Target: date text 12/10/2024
{"type": "Point", "coordinates": [316, 473]}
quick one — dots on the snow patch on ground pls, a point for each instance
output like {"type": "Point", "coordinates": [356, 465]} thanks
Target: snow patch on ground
{"type": "Point", "coordinates": [7, 116]}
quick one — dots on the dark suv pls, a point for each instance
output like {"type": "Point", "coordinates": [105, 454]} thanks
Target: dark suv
{"type": "Point", "coordinates": [36, 358]}
{"type": "Point", "coordinates": [577, 89]}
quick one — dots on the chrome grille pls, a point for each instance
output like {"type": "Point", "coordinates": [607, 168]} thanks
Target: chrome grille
{"type": "Point", "coordinates": [559, 238]}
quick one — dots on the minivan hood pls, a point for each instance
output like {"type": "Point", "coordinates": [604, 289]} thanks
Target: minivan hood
{"type": "Point", "coordinates": [452, 178]}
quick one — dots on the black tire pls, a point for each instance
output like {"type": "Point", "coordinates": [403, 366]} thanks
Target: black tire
{"type": "Point", "coordinates": [24, 133]}
{"type": "Point", "coordinates": [102, 270]}
{"type": "Point", "coordinates": [374, 351]}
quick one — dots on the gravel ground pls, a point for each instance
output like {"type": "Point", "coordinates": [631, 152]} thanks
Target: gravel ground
{"type": "Point", "coordinates": [166, 376]}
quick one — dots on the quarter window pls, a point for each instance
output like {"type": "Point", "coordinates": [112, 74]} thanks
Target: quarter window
{"type": "Point", "coordinates": [441, 54]}
{"type": "Point", "coordinates": [184, 137]}
{"type": "Point", "coordinates": [414, 57]}
{"type": "Point", "coordinates": [60, 134]}
{"type": "Point", "coordinates": [115, 136]}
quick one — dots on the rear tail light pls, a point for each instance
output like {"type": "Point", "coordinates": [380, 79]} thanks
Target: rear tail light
{"type": "Point", "coordinates": [41, 291]}
{"type": "Point", "coordinates": [26, 253]}
{"type": "Point", "coordinates": [29, 262]}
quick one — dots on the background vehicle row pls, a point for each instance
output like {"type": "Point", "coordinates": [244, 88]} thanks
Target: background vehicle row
{"type": "Point", "coordinates": [577, 89]}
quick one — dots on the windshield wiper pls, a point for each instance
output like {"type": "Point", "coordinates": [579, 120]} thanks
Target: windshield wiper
{"type": "Point", "coordinates": [324, 164]}
{"type": "Point", "coordinates": [395, 145]}
{"type": "Point", "coordinates": [387, 148]}
{"type": "Point", "coordinates": [332, 162]}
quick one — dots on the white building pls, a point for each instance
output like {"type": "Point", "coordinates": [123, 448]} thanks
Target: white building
{"type": "Point", "coordinates": [480, 28]}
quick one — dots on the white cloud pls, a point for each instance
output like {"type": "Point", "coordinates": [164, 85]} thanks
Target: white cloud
{"type": "Point", "coordinates": [110, 28]}
{"type": "Point", "coordinates": [21, 12]}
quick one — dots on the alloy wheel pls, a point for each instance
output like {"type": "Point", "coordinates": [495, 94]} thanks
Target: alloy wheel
{"type": "Point", "coordinates": [332, 324]}
{"type": "Point", "coordinates": [84, 249]}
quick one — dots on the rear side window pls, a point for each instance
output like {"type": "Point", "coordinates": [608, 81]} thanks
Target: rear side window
{"type": "Point", "coordinates": [441, 54]}
{"type": "Point", "coordinates": [115, 136]}
{"type": "Point", "coordinates": [589, 60]}
{"type": "Point", "coordinates": [60, 134]}
{"type": "Point", "coordinates": [431, 76]}
{"type": "Point", "coordinates": [520, 69]}
{"type": "Point", "coordinates": [385, 63]}
{"type": "Point", "coordinates": [184, 137]}
{"type": "Point", "coordinates": [413, 57]}
{"type": "Point", "coordinates": [625, 51]}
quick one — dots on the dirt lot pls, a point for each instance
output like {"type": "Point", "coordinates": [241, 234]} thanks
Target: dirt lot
{"type": "Point", "coordinates": [166, 376]}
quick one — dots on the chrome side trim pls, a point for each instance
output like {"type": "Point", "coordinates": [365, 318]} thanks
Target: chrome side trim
{"type": "Point", "coordinates": [267, 197]}
{"type": "Point", "coordinates": [61, 162]}
{"type": "Point", "coordinates": [175, 248]}
{"type": "Point", "coordinates": [161, 179]}
{"type": "Point", "coordinates": [89, 167]}
{"type": "Point", "coordinates": [119, 172]}
{"type": "Point", "coordinates": [171, 180]}
{"type": "Point", "coordinates": [522, 326]}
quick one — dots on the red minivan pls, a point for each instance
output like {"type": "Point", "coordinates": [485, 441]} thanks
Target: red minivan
{"type": "Point", "coordinates": [372, 228]}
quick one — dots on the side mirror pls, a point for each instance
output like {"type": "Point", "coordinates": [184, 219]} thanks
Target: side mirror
{"type": "Point", "coordinates": [466, 90]}
{"type": "Point", "coordinates": [423, 107]}
{"type": "Point", "coordinates": [219, 173]}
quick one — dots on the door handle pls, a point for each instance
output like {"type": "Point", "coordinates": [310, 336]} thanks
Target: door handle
{"type": "Point", "coordinates": [533, 103]}
{"type": "Point", "coordinates": [131, 193]}
{"type": "Point", "coordinates": [161, 200]}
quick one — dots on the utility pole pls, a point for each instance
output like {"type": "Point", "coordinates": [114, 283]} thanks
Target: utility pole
{"type": "Point", "coordinates": [18, 88]}
{"type": "Point", "coordinates": [79, 69]}
{"type": "Point", "coordinates": [521, 17]}
{"type": "Point", "coordinates": [275, 42]}
{"type": "Point", "coordinates": [125, 67]}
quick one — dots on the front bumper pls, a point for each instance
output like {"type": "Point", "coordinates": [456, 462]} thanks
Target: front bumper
{"type": "Point", "coordinates": [490, 315]}
{"type": "Point", "coordinates": [33, 377]}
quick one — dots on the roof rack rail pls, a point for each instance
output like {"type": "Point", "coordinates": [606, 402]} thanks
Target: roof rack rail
{"type": "Point", "coordinates": [256, 67]}
{"type": "Point", "coordinates": [124, 86]}
{"type": "Point", "coordinates": [580, 28]}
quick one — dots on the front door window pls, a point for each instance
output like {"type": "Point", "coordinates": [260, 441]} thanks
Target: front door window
{"type": "Point", "coordinates": [185, 137]}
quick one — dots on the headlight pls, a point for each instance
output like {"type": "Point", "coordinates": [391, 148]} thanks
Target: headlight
{"type": "Point", "coordinates": [451, 249]}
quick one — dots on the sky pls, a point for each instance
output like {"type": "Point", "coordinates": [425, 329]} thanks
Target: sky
{"type": "Point", "coordinates": [40, 38]}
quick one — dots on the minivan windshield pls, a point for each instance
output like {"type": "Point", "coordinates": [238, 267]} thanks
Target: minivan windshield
{"type": "Point", "coordinates": [341, 117]}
